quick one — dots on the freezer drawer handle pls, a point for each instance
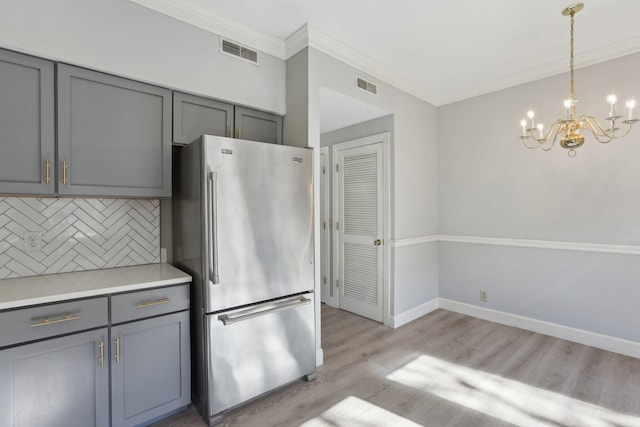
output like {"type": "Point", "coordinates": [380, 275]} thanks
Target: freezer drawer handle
{"type": "Point", "coordinates": [228, 320]}
{"type": "Point", "coordinates": [212, 219]}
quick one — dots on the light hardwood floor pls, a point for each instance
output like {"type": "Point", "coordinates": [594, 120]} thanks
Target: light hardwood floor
{"type": "Point", "coordinates": [447, 369]}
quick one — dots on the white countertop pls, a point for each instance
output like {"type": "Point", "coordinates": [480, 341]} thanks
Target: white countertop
{"type": "Point", "coordinates": [50, 288]}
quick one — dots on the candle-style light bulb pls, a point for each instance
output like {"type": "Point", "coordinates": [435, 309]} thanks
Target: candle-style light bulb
{"type": "Point", "coordinates": [567, 109]}
{"type": "Point", "coordinates": [531, 115]}
{"type": "Point", "coordinates": [540, 129]}
{"type": "Point", "coordinates": [612, 99]}
{"type": "Point", "coordinates": [631, 104]}
{"type": "Point", "coordinates": [523, 123]}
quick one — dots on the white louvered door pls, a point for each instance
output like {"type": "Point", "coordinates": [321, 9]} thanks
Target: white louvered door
{"type": "Point", "coordinates": [359, 230]}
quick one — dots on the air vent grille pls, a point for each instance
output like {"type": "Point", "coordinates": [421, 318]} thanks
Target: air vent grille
{"type": "Point", "coordinates": [366, 85]}
{"type": "Point", "coordinates": [239, 51]}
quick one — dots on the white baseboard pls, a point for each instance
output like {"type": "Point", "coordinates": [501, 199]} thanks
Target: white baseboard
{"type": "Point", "coordinates": [605, 342]}
{"type": "Point", "coordinates": [319, 357]}
{"type": "Point", "coordinates": [414, 313]}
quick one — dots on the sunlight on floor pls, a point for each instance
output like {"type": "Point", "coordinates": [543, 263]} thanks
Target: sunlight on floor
{"type": "Point", "coordinates": [354, 412]}
{"type": "Point", "coordinates": [508, 400]}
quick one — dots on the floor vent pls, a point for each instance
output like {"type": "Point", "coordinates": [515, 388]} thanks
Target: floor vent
{"type": "Point", "coordinates": [366, 85]}
{"type": "Point", "coordinates": [239, 51]}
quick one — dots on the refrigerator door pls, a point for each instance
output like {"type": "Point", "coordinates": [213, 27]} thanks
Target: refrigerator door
{"type": "Point", "coordinates": [256, 349]}
{"type": "Point", "coordinates": [259, 220]}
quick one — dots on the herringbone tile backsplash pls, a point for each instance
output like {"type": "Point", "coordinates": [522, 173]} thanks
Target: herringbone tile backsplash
{"type": "Point", "coordinates": [77, 234]}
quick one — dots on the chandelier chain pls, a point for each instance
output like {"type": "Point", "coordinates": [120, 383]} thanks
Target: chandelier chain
{"type": "Point", "coordinates": [571, 90]}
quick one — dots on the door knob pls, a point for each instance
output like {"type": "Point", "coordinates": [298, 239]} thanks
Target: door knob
{"type": "Point", "coordinates": [377, 242]}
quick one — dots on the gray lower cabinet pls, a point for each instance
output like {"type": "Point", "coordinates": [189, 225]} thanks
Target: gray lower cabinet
{"type": "Point", "coordinates": [195, 115]}
{"type": "Point", "coordinates": [27, 121]}
{"type": "Point", "coordinates": [114, 135]}
{"type": "Point", "coordinates": [150, 354]}
{"type": "Point", "coordinates": [150, 368]}
{"type": "Point", "coordinates": [65, 364]}
{"type": "Point", "coordinates": [258, 126]}
{"type": "Point", "coordinates": [59, 382]}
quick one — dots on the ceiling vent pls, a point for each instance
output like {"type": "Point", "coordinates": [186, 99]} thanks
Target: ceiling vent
{"type": "Point", "coordinates": [366, 85]}
{"type": "Point", "coordinates": [239, 51]}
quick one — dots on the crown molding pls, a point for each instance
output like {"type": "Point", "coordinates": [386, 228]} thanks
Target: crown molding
{"type": "Point", "coordinates": [202, 18]}
{"type": "Point", "coordinates": [297, 41]}
{"type": "Point", "coordinates": [592, 57]}
{"type": "Point", "coordinates": [325, 43]}
{"type": "Point", "coordinates": [309, 36]}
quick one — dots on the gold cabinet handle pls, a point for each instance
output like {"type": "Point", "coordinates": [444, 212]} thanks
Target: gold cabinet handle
{"type": "Point", "coordinates": [101, 358]}
{"type": "Point", "coordinates": [377, 242]}
{"type": "Point", "coordinates": [117, 355]}
{"type": "Point", "coordinates": [64, 172]}
{"type": "Point", "coordinates": [152, 303]}
{"type": "Point", "coordinates": [47, 321]}
{"type": "Point", "coordinates": [230, 135]}
{"type": "Point", "coordinates": [239, 133]}
{"type": "Point", "coordinates": [47, 169]}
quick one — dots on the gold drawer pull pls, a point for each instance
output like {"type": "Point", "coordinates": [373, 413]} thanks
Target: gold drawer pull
{"type": "Point", "coordinates": [64, 172]}
{"type": "Point", "coordinates": [47, 167]}
{"type": "Point", "coordinates": [117, 355]}
{"type": "Point", "coordinates": [101, 358]}
{"type": "Point", "coordinates": [152, 303]}
{"type": "Point", "coordinates": [47, 321]}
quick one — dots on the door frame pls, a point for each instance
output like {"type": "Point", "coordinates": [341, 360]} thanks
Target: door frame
{"type": "Point", "coordinates": [382, 138]}
{"type": "Point", "coordinates": [328, 295]}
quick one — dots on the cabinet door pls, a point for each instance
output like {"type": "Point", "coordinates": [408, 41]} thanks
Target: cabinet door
{"type": "Point", "coordinates": [194, 116]}
{"type": "Point", "coordinates": [27, 122]}
{"type": "Point", "coordinates": [114, 136]}
{"type": "Point", "coordinates": [150, 368]}
{"type": "Point", "coordinates": [59, 382]}
{"type": "Point", "coordinates": [258, 126]}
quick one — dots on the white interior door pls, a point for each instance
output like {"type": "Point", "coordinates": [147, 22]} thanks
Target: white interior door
{"type": "Point", "coordinates": [359, 214]}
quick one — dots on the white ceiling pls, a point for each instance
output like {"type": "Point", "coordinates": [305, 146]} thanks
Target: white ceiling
{"type": "Point", "coordinates": [441, 51]}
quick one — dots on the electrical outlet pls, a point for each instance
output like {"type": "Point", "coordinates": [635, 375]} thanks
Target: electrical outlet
{"type": "Point", "coordinates": [483, 295]}
{"type": "Point", "coordinates": [33, 241]}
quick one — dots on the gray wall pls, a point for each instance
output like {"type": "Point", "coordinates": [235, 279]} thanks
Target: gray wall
{"type": "Point", "coordinates": [493, 187]}
{"type": "Point", "coordinates": [123, 38]}
{"type": "Point", "coordinates": [296, 122]}
{"type": "Point", "coordinates": [359, 130]}
{"type": "Point", "coordinates": [414, 175]}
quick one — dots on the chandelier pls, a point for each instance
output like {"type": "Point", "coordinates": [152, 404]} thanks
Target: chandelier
{"type": "Point", "coordinates": [569, 127]}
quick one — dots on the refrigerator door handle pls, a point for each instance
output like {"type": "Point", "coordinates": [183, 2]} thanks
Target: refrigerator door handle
{"type": "Point", "coordinates": [212, 219]}
{"type": "Point", "coordinates": [285, 305]}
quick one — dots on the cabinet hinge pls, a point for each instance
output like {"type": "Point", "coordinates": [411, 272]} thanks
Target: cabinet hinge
{"type": "Point", "coordinates": [324, 171]}
{"type": "Point", "coordinates": [336, 167]}
{"type": "Point", "coordinates": [324, 280]}
{"type": "Point", "coordinates": [337, 283]}
{"type": "Point", "coordinates": [324, 225]}
{"type": "Point", "coordinates": [337, 225]}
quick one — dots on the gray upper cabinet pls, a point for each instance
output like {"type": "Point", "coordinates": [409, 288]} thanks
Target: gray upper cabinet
{"type": "Point", "coordinates": [27, 140]}
{"type": "Point", "coordinates": [258, 126]}
{"type": "Point", "coordinates": [114, 135]}
{"type": "Point", "coordinates": [194, 116]}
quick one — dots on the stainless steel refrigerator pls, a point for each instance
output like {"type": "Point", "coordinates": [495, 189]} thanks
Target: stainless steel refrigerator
{"type": "Point", "coordinates": [243, 228]}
